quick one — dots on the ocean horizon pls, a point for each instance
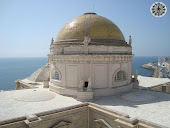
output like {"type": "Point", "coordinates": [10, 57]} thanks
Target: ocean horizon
{"type": "Point", "coordinates": [12, 69]}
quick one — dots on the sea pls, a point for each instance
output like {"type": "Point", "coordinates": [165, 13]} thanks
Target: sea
{"type": "Point", "coordinates": [12, 69]}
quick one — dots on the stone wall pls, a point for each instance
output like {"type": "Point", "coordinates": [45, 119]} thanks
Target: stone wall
{"type": "Point", "coordinates": [101, 68]}
{"type": "Point", "coordinates": [22, 85]}
{"type": "Point", "coordinates": [70, 117]}
{"type": "Point", "coordinates": [85, 115]}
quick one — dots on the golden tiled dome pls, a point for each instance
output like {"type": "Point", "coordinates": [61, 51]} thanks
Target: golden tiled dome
{"type": "Point", "coordinates": [99, 29]}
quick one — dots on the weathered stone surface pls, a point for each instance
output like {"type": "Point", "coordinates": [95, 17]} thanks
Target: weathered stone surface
{"type": "Point", "coordinates": [90, 25]}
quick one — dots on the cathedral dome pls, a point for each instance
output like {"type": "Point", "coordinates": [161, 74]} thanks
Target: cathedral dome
{"type": "Point", "coordinates": [100, 31]}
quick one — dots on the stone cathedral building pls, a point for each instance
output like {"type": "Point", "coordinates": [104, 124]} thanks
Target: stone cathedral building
{"type": "Point", "coordinates": [88, 61]}
{"type": "Point", "coordinates": [90, 57]}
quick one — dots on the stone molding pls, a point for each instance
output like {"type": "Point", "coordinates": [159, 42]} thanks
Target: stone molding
{"type": "Point", "coordinates": [53, 59]}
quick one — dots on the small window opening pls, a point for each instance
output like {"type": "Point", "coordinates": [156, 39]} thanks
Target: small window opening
{"type": "Point", "coordinates": [120, 76]}
{"type": "Point", "coordinates": [56, 75]}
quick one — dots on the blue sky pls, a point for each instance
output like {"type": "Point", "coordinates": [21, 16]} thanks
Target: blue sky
{"type": "Point", "coordinates": [27, 26]}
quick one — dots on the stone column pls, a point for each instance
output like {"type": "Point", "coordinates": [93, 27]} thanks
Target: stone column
{"type": "Point", "coordinates": [135, 82]}
{"type": "Point", "coordinates": [136, 75]}
{"type": "Point", "coordinates": [89, 88]}
{"type": "Point", "coordinates": [91, 74]}
{"type": "Point", "coordinates": [46, 83]}
{"type": "Point", "coordinates": [110, 76]}
{"type": "Point", "coordinates": [81, 85]}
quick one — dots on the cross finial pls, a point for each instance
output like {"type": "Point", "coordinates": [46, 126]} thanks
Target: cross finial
{"type": "Point", "coordinates": [130, 40]}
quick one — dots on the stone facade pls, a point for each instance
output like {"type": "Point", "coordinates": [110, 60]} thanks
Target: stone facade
{"type": "Point", "coordinates": [102, 69]}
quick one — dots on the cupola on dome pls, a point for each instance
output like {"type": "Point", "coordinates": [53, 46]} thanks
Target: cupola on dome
{"type": "Point", "coordinates": [98, 29]}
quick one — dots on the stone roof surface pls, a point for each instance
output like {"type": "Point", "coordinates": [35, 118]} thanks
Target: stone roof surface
{"type": "Point", "coordinates": [143, 104]}
{"type": "Point", "coordinates": [146, 105]}
{"type": "Point", "coordinates": [18, 103]}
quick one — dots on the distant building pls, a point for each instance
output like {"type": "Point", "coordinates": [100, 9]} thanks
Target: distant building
{"type": "Point", "coordinates": [161, 59]}
{"type": "Point", "coordinates": [167, 66]}
{"type": "Point", "coordinates": [167, 59]}
{"type": "Point", "coordinates": [162, 62]}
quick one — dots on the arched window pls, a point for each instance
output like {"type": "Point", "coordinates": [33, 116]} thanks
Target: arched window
{"type": "Point", "coordinates": [120, 76]}
{"type": "Point", "coordinates": [56, 75]}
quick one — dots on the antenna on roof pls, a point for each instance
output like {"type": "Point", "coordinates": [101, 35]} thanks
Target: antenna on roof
{"type": "Point", "coordinates": [93, 7]}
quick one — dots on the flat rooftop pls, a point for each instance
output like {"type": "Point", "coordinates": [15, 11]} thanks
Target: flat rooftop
{"type": "Point", "coordinates": [145, 105]}
{"type": "Point", "coordinates": [142, 104]}
{"type": "Point", "coordinates": [18, 103]}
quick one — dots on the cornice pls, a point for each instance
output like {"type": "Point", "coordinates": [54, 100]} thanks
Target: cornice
{"type": "Point", "coordinates": [89, 58]}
